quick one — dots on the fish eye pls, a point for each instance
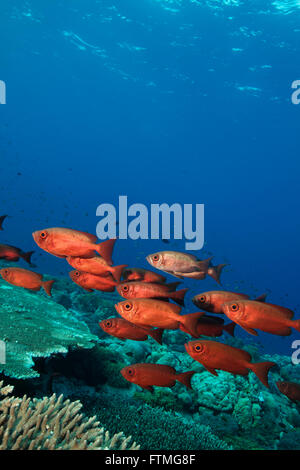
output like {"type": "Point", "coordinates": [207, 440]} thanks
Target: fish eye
{"type": "Point", "coordinates": [202, 298]}
{"type": "Point", "coordinates": [234, 307]}
{"type": "Point", "coordinates": [130, 371]}
{"type": "Point", "coordinates": [128, 306]}
{"type": "Point", "coordinates": [108, 323]}
{"type": "Point", "coordinates": [5, 271]}
{"type": "Point", "coordinates": [155, 257]}
{"type": "Point", "coordinates": [198, 348]}
{"type": "Point", "coordinates": [43, 235]}
{"type": "Point", "coordinates": [125, 288]}
{"type": "Point", "coordinates": [77, 273]}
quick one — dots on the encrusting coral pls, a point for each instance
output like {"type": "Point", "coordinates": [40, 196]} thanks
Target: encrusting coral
{"type": "Point", "coordinates": [52, 424]}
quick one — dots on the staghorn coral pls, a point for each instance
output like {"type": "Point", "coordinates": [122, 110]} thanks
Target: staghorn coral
{"type": "Point", "coordinates": [52, 424]}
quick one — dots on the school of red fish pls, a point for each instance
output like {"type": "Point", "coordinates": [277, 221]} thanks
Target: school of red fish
{"type": "Point", "coordinates": [147, 309]}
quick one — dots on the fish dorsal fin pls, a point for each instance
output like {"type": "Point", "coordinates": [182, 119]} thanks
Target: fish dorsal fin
{"type": "Point", "coordinates": [284, 312]}
{"type": "Point", "coordinates": [261, 298]}
{"type": "Point", "coordinates": [204, 264]}
{"type": "Point", "coordinates": [105, 249]}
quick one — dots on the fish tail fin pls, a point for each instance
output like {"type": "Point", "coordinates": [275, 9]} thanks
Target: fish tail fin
{"type": "Point", "coordinates": [230, 327]}
{"type": "Point", "coordinates": [215, 272]}
{"type": "Point", "coordinates": [157, 334]}
{"type": "Point", "coordinates": [261, 370]}
{"type": "Point", "coordinates": [190, 321]}
{"type": "Point", "coordinates": [117, 271]}
{"type": "Point", "coordinates": [27, 257]}
{"type": "Point", "coordinates": [2, 218]}
{"type": "Point", "coordinates": [261, 298]}
{"type": "Point", "coordinates": [47, 285]}
{"type": "Point", "coordinates": [296, 324]}
{"type": "Point", "coordinates": [105, 249]}
{"type": "Point", "coordinates": [178, 296]}
{"type": "Point", "coordinates": [185, 378]}
{"type": "Point", "coordinates": [172, 286]}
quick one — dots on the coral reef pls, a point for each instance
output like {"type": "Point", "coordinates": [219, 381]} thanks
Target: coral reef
{"type": "Point", "coordinates": [35, 326]}
{"type": "Point", "coordinates": [153, 427]}
{"type": "Point", "coordinates": [57, 346]}
{"type": "Point", "coordinates": [52, 424]}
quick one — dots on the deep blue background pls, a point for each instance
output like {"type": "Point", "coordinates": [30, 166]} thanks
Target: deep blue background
{"type": "Point", "coordinates": [163, 102]}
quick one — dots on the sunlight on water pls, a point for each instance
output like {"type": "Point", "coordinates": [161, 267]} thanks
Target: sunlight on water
{"type": "Point", "coordinates": [282, 6]}
{"type": "Point", "coordinates": [287, 6]}
{"type": "Point", "coordinates": [174, 5]}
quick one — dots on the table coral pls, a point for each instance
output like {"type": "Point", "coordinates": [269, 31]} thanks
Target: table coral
{"type": "Point", "coordinates": [35, 326]}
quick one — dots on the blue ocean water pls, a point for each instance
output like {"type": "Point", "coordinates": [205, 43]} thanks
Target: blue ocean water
{"type": "Point", "coordinates": [182, 101]}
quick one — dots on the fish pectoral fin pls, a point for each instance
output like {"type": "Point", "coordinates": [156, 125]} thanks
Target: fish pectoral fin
{"type": "Point", "coordinates": [211, 370]}
{"type": "Point", "coordinates": [251, 331]}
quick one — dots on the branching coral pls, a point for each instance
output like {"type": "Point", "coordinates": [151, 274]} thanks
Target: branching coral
{"type": "Point", "coordinates": [52, 424]}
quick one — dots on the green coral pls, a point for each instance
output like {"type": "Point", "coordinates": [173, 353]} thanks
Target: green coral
{"type": "Point", "coordinates": [163, 398]}
{"type": "Point", "coordinates": [154, 428]}
{"type": "Point", "coordinates": [33, 325]}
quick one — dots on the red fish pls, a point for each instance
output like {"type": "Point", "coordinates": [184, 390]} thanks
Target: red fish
{"type": "Point", "coordinates": [212, 301]}
{"type": "Point", "coordinates": [146, 290]}
{"type": "Point", "coordinates": [147, 375]}
{"type": "Point", "coordinates": [211, 326]}
{"type": "Point", "coordinates": [12, 253]}
{"type": "Point", "coordinates": [123, 329]}
{"type": "Point", "coordinates": [96, 265]}
{"type": "Point", "coordinates": [250, 314]}
{"type": "Point", "coordinates": [2, 218]}
{"type": "Point", "coordinates": [63, 242]}
{"type": "Point", "coordinates": [144, 275]}
{"type": "Point", "coordinates": [289, 389]}
{"type": "Point", "coordinates": [157, 313]}
{"type": "Point", "coordinates": [184, 265]}
{"type": "Point", "coordinates": [90, 282]}
{"type": "Point", "coordinates": [27, 279]}
{"type": "Point", "coordinates": [213, 355]}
